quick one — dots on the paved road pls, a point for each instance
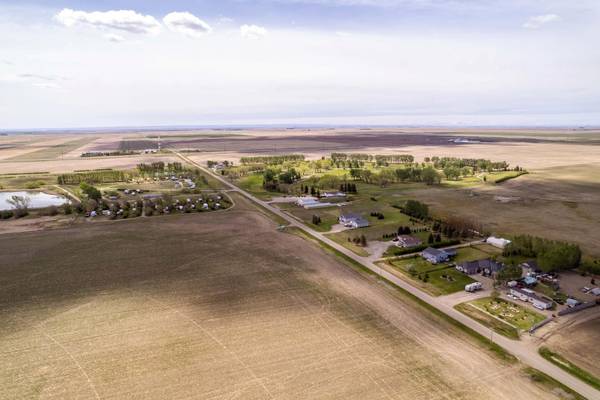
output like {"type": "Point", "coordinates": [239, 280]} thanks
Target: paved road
{"type": "Point", "coordinates": [526, 353]}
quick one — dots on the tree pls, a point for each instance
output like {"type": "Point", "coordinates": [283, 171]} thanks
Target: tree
{"type": "Point", "coordinates": [430, 176]}
{"type": "Point", "coordinates": [20, 205]}
{"type": "Point", "coordinates": [452, 173]}
{"type": "Point", "coordinates": [90, 191]}
{"type": "Point", "coordinates": [363, 241]}
{"type": "Point", "coordinates": [509, 273]}
{"type": "Point", "coordinates": [430, 239]}
{"type": "Point", "coordinates": [416, 209]}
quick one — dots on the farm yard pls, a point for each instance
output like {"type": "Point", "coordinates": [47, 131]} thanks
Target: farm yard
{"type": "Point", "coordinates": [151, 309]}
{"type": "Point", "coordinates": [437, 280]}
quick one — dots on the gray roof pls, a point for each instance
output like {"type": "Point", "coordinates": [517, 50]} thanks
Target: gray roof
{"type": "Point", "coordinates": [488, 264]}
{"type": "Point", "coordinates": [350, 216]}
{"type": "Point", "coordinates": [434, 252]}
{"type": "Point", "coordinates": [360, 221]}
{"type": "Point", "coordinates": [532, 295]}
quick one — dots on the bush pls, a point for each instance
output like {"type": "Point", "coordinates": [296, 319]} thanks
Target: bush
{"type": "Point", "coordinates": [6, 214]}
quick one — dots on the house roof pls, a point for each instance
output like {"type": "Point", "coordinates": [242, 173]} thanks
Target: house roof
{"type": "Point", "coordinates": [360, 221]}
{"type": "Point", "coordinates": [407, 239]}
{"type": "Point", "coordinates": [434, 252]}
{"type": "Point", "coordinates": [350, 216]}
{"type": "Point", "coordinates": [532, 295]}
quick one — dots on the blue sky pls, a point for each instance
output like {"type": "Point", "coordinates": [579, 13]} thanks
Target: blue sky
{"type": "Point", "coordinates": [428, 62]}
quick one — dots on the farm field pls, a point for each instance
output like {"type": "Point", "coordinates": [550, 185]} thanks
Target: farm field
{"type": "Point", "coordinates": [496, 313]}
{"type": "Point", "coordinates": [54, 151]}
{"type": "Point", "coordinates": [577, 342]}
{"type": "Point", "coordinates": [202, 306]}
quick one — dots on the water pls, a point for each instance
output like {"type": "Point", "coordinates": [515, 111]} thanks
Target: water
{"type": "Point", "coordinates": [36, 199]}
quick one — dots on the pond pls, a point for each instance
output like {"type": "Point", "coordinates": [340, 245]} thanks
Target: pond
{"type": "Point", "coordinates": [36, 199]}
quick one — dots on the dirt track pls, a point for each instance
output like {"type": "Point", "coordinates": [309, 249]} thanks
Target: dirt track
{"type": "Point", "coordinates": [205, 307]}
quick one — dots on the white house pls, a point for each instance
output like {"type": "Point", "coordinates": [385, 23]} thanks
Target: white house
{"type": "Point", "coordinates": [497, 242]}
{"type": "Point", "coordinates": [353, 221]}
{"type": "Point", "coordinates": [302, 201]}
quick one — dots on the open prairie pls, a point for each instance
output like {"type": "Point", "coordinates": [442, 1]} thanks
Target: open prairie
{"type": "Point", "coordinates": [204, 307]}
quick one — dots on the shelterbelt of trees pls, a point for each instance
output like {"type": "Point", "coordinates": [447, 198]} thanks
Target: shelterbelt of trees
{"type": "Point", "coordinates": [550, 255]}
{"type": "Point", "coordinates": [372, 169]}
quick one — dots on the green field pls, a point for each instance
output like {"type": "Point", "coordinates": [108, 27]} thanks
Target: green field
{"type": "Point", "coordinates": [254, 185]}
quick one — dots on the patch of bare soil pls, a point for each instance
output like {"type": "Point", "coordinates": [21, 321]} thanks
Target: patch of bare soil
{"type": "Point", "coordinates": [578, 341]}
{"type": "Point", "coordinates": [220, 306]}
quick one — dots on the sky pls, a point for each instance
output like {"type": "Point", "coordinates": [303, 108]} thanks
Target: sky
{"type": "Point", "coordinates": [112, 63]}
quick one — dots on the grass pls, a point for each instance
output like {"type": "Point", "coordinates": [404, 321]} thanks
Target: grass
{"type": "Point", "coordinates": [441, 279]}
{"type": "Point", "coordinates": [254, 184]}
{"type": "Point", "coordinates": [512, 313]}
{"type": "Point", "coordinates": [551, 384]}
{"type": "Point", "coordinates": [448, 281]}
{"type": "Point", "coordinates": [472, 253]}
{"type": "Point", "coordinates": [504, 317]}
{"type": "Point", "coordinates": [342, 240]}
{"type": "Point", "coordinates": [568, 366]}
{"type": "Point", "coordinates": [497, 326]}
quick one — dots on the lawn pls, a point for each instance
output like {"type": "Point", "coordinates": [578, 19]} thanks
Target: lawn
{"type": "Point", "coordinates": [439, 279]}
{"type": "Point", "coordinates": [254, 184]}
{"type": "Point", "coordinates": [501, 315]}
{"type": "Point", "coordinates": [343, 240]}
{"type": "Point", "coordinates": [495, 324]}
{"type": "Point", "coordinates": [473, 253]}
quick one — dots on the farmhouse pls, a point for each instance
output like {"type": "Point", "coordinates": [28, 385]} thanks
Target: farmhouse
{"type": "Point", "coordinates": [485, 267]}
{"type": "Point", "coordinates": [406, 241]}
{"type": "Point", "coordinates": [530, 296]}
{"type": "Point", "coordinates": [353, 221]}
{"type": "Point", "coordinates": [436, 256]}
{"type": "Point", "coordinates": [497, 242]}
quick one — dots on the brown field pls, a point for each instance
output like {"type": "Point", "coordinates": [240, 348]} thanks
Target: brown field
{"type": "Point", "coordinates": [577, 341]}
{"type": "Point", "coordinates": [560, 203]}
{"type": "Point", "coordinates": [200, 306]}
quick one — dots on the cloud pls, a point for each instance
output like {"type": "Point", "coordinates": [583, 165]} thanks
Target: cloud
{"type": "Point", "coordinates": [38, 77]}
{"type": "Point", "coordinates": [539, 20]}
{"type": "Point", "coordinates": [47, 85]}
{"type": "Point", "coordinates": [252, 31]}
{"type": "Point", "coordinates": [187, 24]}
{"type": "Point", "coordinates": [124, 20]}
{"type": "Point", "coordinates": [111, 37]}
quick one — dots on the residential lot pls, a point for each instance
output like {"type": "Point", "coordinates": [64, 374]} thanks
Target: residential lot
{"type": "Point", "coordinates": [219, 306]}
{"type": "Point", "coordinates": [497, 312]}
{"type": "Point", "coordinates": [439, 279]}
